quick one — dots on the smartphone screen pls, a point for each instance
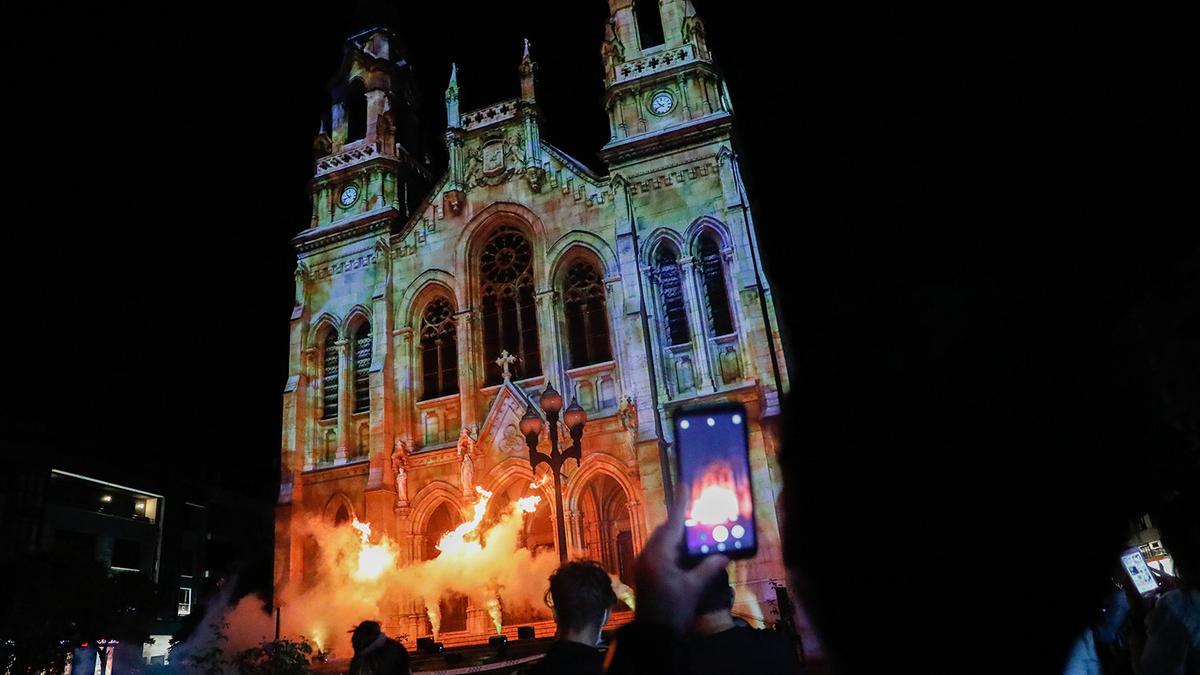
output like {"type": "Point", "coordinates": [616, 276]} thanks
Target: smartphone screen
{"type": "Point", "coordinates": [1137, 569]}
{"type": "Point", "coordinates": [713, 453]}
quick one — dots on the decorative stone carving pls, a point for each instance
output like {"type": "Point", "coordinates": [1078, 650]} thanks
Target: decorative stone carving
{"type": "Point", "coordinates": [466, 452]}
{"type": "Point", "coordinates": [400, 468]}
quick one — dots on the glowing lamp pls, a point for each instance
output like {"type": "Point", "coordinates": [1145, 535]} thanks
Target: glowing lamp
{"type": "Point", "coordinates": [551, 400]}
{"type": "Point", "coordinates": [575, 416]}
{"type": "Point", "coordinates": [531, 423]}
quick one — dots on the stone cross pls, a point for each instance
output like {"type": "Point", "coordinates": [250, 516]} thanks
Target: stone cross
{"type": "Point", "coordinates": [504, 361]}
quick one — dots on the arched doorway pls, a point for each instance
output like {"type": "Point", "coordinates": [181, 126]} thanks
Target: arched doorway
{"type": "Point", "coordinates": [605, 526]}
{"type": "Point", "coordinates": [453, 606]}
{"type": "Point", "coordinates": [536, 535]}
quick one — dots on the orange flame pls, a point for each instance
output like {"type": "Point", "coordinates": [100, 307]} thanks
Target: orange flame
{"type": "Point", "coordinates": [455, 542]}
{"type": "Point", "coordinates": [545, 478]}
{"type": "Point", "coordinates": [373, 559]}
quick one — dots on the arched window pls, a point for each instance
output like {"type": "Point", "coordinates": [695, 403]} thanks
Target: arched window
{"type": "Point", "coordinates": [720, 322]}
{"type": "Point", "coordinates": [649, 23]}
{"type": "Point", "coordinates": [670, 289]}
{"type": "Point", "coordinates": [329, 377]}
{"type": "Point", "coordinates": [587, 318]}
{"type": "Point", "coordinates": [329, 452]}
{"type": "Point", "coordinates": [509, 315]}
{"type": "Point", "coordinates": [362, 368]}
{"type": "Point", "coordinates": [439, 350]}
{"type": "Point", "coordinates": [354, 105]}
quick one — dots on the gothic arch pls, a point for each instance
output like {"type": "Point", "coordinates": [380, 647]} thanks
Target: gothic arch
{"type": "Point", "coordinates": [699, 227]}
{"type": "Point", "coordinates": [358, 315]}
{"type": "Point", "coordinates": [416, 294]}
{"type": "Point", "coordinates": [338, 500]}
{"type": "Point", "coordinates": [656, 240]}
{"type": "Point", "coordinates": [428, 498]}
{"type": "Point", "coordinates": [566, 248]}
{"type": "Point", "coordinates": [322, 326]}
{"type": "Point", "coordinates": [476, 234]}
{"type": "Point", "coordinates": [593, 464]}
{"type": "Point", "coordinates": [516, 468]}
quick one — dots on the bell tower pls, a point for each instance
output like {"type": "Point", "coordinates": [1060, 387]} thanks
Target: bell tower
{"type": "Point", "coordinates": [662, 88]}
{"type": "Point", "coordinates": [369, 153]}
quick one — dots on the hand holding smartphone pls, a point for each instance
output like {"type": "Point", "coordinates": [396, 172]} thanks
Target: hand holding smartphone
{"type": "Point", "coordinates": [713, 454]}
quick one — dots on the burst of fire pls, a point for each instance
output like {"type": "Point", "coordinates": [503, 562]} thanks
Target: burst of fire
{"type": "Point", "coordinates": [714, 496]}
{"type": "Point", "coordinates": [493, 610]}
{"type": "Point", "coordinates": [545, 478]}
{"type": "Point", "coordinates": [455, 541]}
{"type": "Point", "coordinates": [373, 559]}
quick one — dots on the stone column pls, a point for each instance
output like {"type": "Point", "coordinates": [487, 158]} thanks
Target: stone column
{"type": "Point", "coordinates": [637, 525]}
{"type": "Point", "coordinates": [305, 424]}
{"type": "Point", "coordinates": [466, 359]}
{"type": "Point", "coordinates": [403, 426]}
{"type": "Point", "coordinates": [682, 82]}
{"type": "Point", "coordinates": [695, 301]}
{"type": "Point", "coordinates": [345, 401]}
{"type": "Point", "coordinates": [547, 302]}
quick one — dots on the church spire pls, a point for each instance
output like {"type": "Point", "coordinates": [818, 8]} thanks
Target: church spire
{"type": "Point", "coordinates": [527, 70]}
{"type": "Point", "coordinates": [453, 120]}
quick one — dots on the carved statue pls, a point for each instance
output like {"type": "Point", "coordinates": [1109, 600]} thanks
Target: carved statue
{"type": "Point", "coordinates": [611, 50]}
{"type": "Point", "coordinates": [693, 31]}
{"type": "Point", "coordinates": [400, 468]}
{"type": "Point", "coordinates": [513, 442]}
{"type": "Point", "coordinates": [627, 413]}
{"type": "Point", "coordinates": [466, 452]}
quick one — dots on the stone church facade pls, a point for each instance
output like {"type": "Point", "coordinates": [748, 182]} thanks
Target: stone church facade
{"type": "Point", "coordinates": [633, 292]}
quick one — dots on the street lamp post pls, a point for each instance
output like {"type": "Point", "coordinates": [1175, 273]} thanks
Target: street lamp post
{"type": "Point", "coordinates": [531, 426]}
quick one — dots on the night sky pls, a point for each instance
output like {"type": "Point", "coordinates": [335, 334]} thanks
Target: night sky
{"type": "Point", "coordinates": [961, 214]}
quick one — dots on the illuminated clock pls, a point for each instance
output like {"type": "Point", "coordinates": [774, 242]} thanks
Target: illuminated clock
{"type": "Point", "coordinates": [662, 102]}
{"type": "Point", "coordinates": [349, 195]}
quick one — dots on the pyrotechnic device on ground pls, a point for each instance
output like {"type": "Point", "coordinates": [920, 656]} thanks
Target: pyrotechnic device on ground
{"type": "Point", "coordinates": [713, 453]}
{"type": "Point", "coordinates": [1138, 571]}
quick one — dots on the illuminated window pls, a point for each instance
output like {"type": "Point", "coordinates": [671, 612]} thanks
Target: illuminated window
{"type": "Point", "coordinates": [670, 289]}
{"type": "Point", "coordinates": [439, 350]}
{"type": "Point", "coordinates": [587, 317]}
{"type": "Point", "coordinates": [509, 315]}
{"type": "Point", "coordinates": [362, 368]}
{"type": "Point", "coordinates": [649, 23]}
{"type": "Point", "coordinates": [355, 108]}
{"type": "Point", "coordinates": [720, 321]}
{"type": "Point", "coordinates": [329, 377]}
{"type": "Point", "coordinates": [185, 601]}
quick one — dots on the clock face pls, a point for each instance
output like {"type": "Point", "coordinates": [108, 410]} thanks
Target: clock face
{"type": "Point", "coordinates": [662, 103]}
{"type": "Point", "coordinates": [349, 195]}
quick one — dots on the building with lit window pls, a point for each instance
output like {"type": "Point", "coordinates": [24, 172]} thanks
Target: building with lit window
{"type": "Point", "coordinates": [632, 292]}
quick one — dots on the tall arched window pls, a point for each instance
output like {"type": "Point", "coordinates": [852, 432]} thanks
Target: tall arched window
{"type": "Point", "coordinates": [439, 350]}
{"type": "Point", "coordinates": [716, 298]}
{"type": "Point", "coordinates": [362, 368]}
{"type": "Point", "coordinates": [649, 23]}
{"type": "Point", "coordinates": [329, 377]}
{"type": "Point", "coordinates": [587, 318]}
{"type": "Point", "coordinates": [670, 289]}
{"type": "Point", "coordinates": [354, 105]}
{"type": "Point", "coordinates": [509, 315]}
{"type": "Point", "coordinates": [329, 452]}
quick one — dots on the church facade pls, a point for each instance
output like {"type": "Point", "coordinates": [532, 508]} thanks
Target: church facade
{"type": "Point", "coordinates": [431, 311]}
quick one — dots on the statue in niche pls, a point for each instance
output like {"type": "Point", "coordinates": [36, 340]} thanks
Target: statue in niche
{"type": "Point", "coordinates": [400, 468]}
{"type": "Point", "coordinates": [627, 413]}
{"type": "Point", "coordinates": [466, 452]}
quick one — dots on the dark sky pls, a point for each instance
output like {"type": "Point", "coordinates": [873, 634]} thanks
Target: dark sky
{"type": "Point", "coordinates": [962, 215]}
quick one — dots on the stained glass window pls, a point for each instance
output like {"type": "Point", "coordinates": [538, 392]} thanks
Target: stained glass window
{"type": "Point", "coordinates": [439, 350]}
{"type": "Point", "coordinates": [509, 313]}
{"type": "Point", "coordinates": [587, 317]}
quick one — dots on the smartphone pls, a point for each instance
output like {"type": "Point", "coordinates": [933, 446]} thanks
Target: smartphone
{"type": "Point", "coordinates": [1138, 571]}
{"type": "Point", "coordinates": [712, 449]}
